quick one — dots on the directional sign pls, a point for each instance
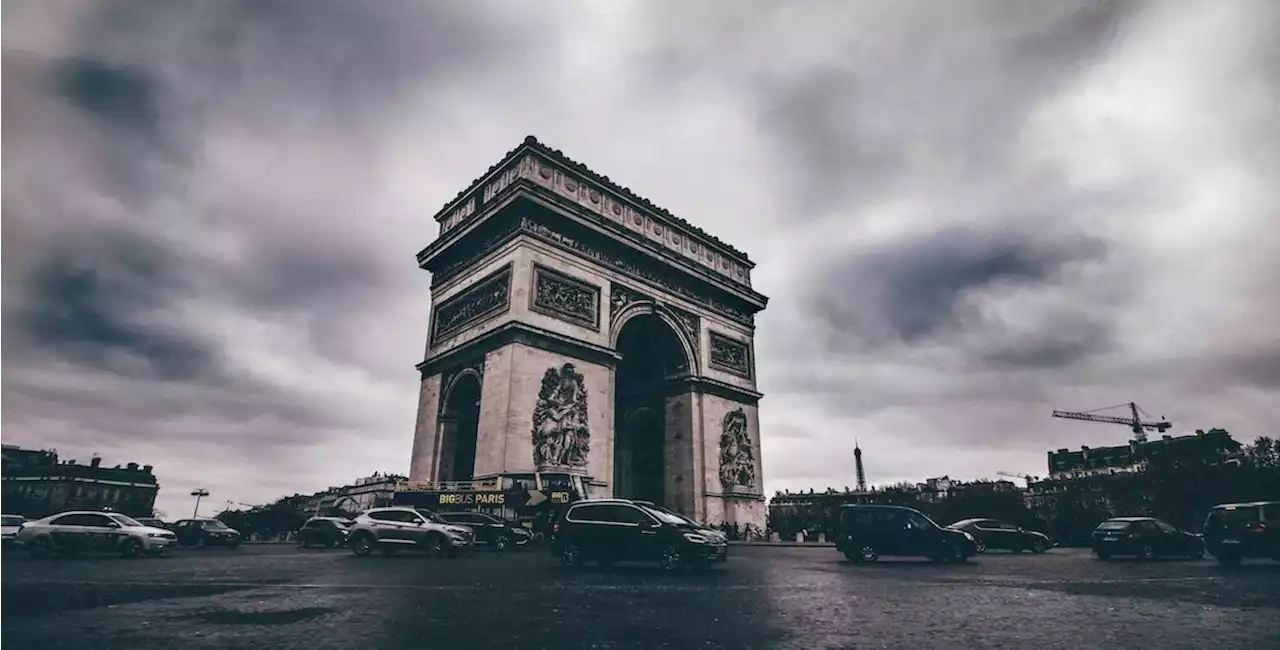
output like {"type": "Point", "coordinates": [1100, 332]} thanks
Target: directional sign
{"type": "Point", "coordinates": [535, 497]}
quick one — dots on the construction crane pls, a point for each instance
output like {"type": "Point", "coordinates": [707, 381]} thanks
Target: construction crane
{"type": "Point", "coordinates": [1024, 477]}
{"type": "Point", "coordinates": [1136, 423]}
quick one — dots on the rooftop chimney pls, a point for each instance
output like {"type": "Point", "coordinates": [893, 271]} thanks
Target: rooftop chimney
{"type": "Point", "coordinates": [132, 466]}
{"type": "Point", "coordinates": [95, 461]}
{"type": "Point", "coordinates": [146, 468]}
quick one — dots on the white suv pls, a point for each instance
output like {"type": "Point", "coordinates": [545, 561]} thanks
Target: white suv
{"type": "Point", "coordinates": [393, 529]}
{"type": "Point", "coordinates": [86, 531]}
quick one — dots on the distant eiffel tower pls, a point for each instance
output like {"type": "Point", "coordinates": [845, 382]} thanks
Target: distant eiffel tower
{"type": "Point", "coordinates": [857, 459]}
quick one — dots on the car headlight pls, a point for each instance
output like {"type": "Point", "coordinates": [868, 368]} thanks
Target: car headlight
{"type": "Point", "coordinates": [968, 536]}
{"type": "Point", "coordinates": [461, 532]}
{"type": "Point", "coordinates": [695, 538]}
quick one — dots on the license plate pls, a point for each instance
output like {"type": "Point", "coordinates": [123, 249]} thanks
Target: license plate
{"type": "Point", "coordinates": [1109, 539]}
{"type": "Point", "coordinates": [1230, 541]}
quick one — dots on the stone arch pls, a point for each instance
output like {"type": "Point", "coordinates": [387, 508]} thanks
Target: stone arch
{"type": "Point", "coordinates": [663, 314]}
{"type": "Point", "coordinates": [459, 423]}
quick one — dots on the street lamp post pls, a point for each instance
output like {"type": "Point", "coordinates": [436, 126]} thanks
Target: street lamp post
{"type": "Point", "coordinates": [197, 493]}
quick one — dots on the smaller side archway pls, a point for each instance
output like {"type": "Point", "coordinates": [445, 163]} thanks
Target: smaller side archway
{"type": "Point", "coordinates": [459, 428]}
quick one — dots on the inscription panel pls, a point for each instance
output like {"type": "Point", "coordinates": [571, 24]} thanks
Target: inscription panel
{"type": "Point", "coordinates": [730, 355]}
{"type": "Point", "coordinates": [565, 297]}
{"type": "Point", "coordinates": [486, 299]}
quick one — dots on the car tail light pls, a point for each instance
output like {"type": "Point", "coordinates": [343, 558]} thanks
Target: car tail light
{"type": "Point", "coordinates": [555, 528]}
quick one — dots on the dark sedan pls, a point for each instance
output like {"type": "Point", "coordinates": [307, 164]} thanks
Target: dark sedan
{"type": "Point", "coordinates": [205, 532]}
{"type": "Point", "coordinates": [330, 532]}
{"type": "Point", "coordinates": [489, 530]}
{"type": "Point", "coordinates": [996, 534]}
{"type": "Point", "coordinates": [1146, 538]}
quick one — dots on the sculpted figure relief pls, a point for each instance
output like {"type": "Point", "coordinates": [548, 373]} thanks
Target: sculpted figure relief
{"type": "Point", "coordinates": [737, 458]}
{"type": "Point", "coordinates": [561, 437]}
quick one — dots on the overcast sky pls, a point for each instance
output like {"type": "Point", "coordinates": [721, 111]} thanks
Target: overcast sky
{"type": "Point", "coordinates": [965, 214]}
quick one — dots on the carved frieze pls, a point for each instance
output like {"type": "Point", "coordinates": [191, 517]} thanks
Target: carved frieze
{"type": "Point", "coordinates": [691, 324]}
{"type": "Point", "coordinates": [486, 299]}
{"type": "Point", "coordinates": [463, 260]}
{"type": "Point", "coordinates": [561, 436]}
{"type": "Point", "coordinates": [737, 455]}
{"type": "Point", "coordinates": [730, 355]}
{"type": "Point", "coordinates": [565, 297]}
{"type": "Point", "coordinates": [620, 296]}
{"type": "Point", "coordinates": [660, 275]}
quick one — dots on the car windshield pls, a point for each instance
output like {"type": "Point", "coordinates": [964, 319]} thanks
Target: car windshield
{"type": "Point", "coordinates": [1113, 525]}
{"type": "Point", "coordinates": [1234, 515]}
{"type": "Point", "coordinates": [666, 517]}
{"type": "Point", "coordinates": [12, 521]}
{"type": "Point", "coordinates": [430, 516]}
{"type": "Point", "coordinates": [213, 524]}
{"type": "Point", "coordinates": [123, 520]}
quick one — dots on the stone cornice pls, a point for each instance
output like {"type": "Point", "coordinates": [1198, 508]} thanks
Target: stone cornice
{"type": "Point", "coordinates": [515, 332]}
{"type": "Point", "coordinates": [550, 168]}
{"type": "Point", "coordinates": [540, 218]}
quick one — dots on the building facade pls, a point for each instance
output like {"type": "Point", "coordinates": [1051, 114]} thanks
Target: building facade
{"type": "Point", "coordinates": [577, 328]}
{"type": "Point", "coordinates": [1204, 447]}
{"type": "Point", "coordinates": [37, 484]}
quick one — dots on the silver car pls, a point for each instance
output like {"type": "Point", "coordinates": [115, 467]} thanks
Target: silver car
{"type": "Point", "coordinates": [402, 528]}
{"type": "Point", "coordinates": [87, 531]}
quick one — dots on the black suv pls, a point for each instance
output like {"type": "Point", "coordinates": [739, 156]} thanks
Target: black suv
{"type": "Point", "coordinates": [993, 533]}
{"type": "Point", "coordinates": [205, 532]}
{"type": "Point", "coordinates": [615, 530]}
{"type": "Point", "coordinates": [1234, 531]}
{"type": "Point", "coordinates": [1145, 537]}
{"type": "Point", "coordinates": [865, 532]}
{"type": "Point", "coordinates": [490, 530]}
{"type": "Point", "coordinates": [329, 532]}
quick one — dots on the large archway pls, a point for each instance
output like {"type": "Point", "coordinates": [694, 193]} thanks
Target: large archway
{"type": "Point", "coordinates": [652, 355]}
{"type": "Point", "coordinates": [459, 429]}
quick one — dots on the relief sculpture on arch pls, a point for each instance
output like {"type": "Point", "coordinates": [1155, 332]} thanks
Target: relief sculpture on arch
{"type": "Point", "coordinates": [561, 437]}
{"type": "Point", "coordinates": [737, 457]}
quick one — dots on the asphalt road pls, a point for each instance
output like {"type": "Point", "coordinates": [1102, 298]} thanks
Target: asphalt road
{"type": "Point", "coordinates": [282, 597]}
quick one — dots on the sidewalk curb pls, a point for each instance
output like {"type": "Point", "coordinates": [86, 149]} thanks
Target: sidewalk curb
{"type": "Point", "coordinates": [785, 544]}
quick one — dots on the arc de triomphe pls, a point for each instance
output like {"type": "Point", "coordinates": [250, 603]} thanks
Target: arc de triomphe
{"type": "Point", "coordinates": [578, 328]}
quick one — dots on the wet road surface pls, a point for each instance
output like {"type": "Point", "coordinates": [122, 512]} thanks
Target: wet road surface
{"type": "Point", "coordinates": [282, 597]}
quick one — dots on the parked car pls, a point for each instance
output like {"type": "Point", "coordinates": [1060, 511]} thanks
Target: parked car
{"type": "Point", "coordinates": [1235, 531]}
{"type": "Point", "coordinates": [403, 528]}
{"type": "Point", "coordinates": [993, 534]}
{"type": "Point", "coordinates": [1147, 538]}
{"type": "Point", "coordinates": [489, 530]}
{"type": "Point", "coordinates": [866, 532]}
{"type": "Point", "coordinates": [621, 530]}
{"type": "Point", "coordinates": [330, 532]}
{"type": "Point", "coordinates": [9, 527]}
{"type": "Point", "coordinates": [205, 532]}
{"type": "Point", "coordinates": [86, 532]}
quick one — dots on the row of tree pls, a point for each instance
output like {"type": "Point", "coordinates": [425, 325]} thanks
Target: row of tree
{"type": "Point", "coordinates": [1180, 491]}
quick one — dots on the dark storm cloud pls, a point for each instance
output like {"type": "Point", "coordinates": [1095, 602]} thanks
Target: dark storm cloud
{"type": "Point", "coordinates": [917, 288]}
{"type": "Point", "coordinates": [122, 97]}
{"type": "Point", "coordinates": [84, 302]}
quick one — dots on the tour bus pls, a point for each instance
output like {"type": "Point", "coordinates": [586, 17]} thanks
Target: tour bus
{"type": "Point", "coordinates": [532, 500]}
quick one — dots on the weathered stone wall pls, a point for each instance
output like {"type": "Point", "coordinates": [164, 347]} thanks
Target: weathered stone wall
{"type": "Point", "coordinates": [728, 503]}
{"type": "Point", "coordinates": [422, 462]}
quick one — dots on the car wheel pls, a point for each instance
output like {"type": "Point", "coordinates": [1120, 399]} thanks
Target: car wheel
{"type": "Point", "coordinates": [433, 545]}
{"type": "Point", "coordinates": [304, 544]}
{"type": "Point", "coordinates": [1039, 546]}
{"type": "Point", "coordinates": [130, 547]}
{"type": "Point", "coordinates": [571, 556]}
{"type": "Point", "coordinates": [981, 548]}
{"type": "Point", "coordinates": [333, 543]}
{"type": "Point", "coordinates": [40, 547]}
{"type": "Point", "coordinates": [867, 553]}
{"type": "Point", "coordinates": [1146, 553]}
{"type": "Point", "coordinates": [1196, 553]}
{"type": "Point", "coordinates": [502, 543]}
{"type": "Point", "coordinates": [362, 545]}
{"type": "Point", "coordinates": [199, 542]}
{"type": "Point", "coordinates": [671, 559]}
{"type": "Point", "coordinates": [1229, 559]}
